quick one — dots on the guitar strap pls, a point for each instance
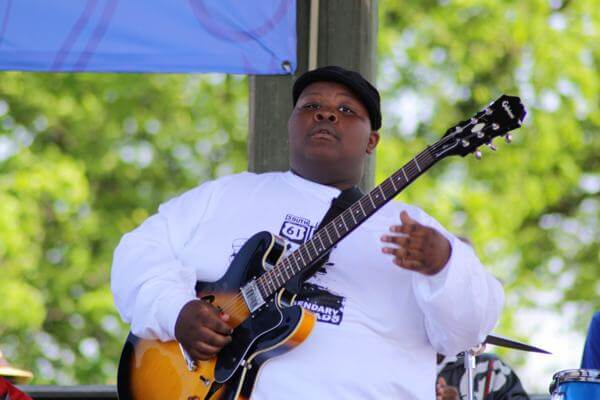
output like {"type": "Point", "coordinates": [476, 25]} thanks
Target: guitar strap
{"type": "Point", "coordinates": [338, 205]}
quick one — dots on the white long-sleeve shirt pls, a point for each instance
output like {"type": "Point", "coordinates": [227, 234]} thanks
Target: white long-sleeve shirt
{"type": "Point", "coordinates": [379, 326]}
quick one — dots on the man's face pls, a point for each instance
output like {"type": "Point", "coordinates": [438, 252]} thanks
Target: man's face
{"type": "Point", "coordinates": [330, 127]}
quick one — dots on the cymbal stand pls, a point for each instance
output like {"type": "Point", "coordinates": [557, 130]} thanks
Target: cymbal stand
{"type": "Point", "coordinates": [470, 363]}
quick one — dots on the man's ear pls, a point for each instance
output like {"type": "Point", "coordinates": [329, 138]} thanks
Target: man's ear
{"type": "Point", "coordinates": [373, 140]}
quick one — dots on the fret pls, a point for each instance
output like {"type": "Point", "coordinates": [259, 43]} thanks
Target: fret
{"type": "Point", "coordinates": [340, 225]}
{"type": "Point", "coordinates": [353, 217]}
{"type": "Point", "coordinates": [378, 195]}
{"type": "Point", "coordinates": [405, 177]}
{"type": "Point", "coordinates": [372, 202]}
{"type": "Point", "coordinates": [304, 249]}
{"type": "Point", "coordinates": [336, 231]}
{"type": "Point", "coordinates": [358, 212]}
{"type": "Point", "coordinates": [390, 190]}
{"type": "Point", "coordinates": [297, 268]}
{"type": "Point", "coordinates": [323, 247]}
{"type": "Point", "coordinates": [382, 192]}
{"type": "Point", "coordinates": [328, 237]}
{"type": "Point", "coordinates": [366, 205]}
{"type": "Point", "coordinates": [314, 248]}
{"type": "Point", "coordinates": [398, 178]}
{"type": "Point", "coordinates": [393, 184]}
{"type": "Point", "coordinates": [343, 221]}
{"type": "Point", "coordinates": [418, 167]}
{"type": "Point", "coordinates": [285, 269]}
{"type": "Point", "coordinates": [301, 257]}
{"type": "Point", "coordinates": [361, 207]}
{"type": "Point", "coordinates": [269, 282]}
{"type": "Point", "coordinates": [279, 276]}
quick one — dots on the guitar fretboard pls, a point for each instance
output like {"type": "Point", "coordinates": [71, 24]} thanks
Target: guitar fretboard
{"type": "Point", "coordinates": [325, 238]}
{"type": "Point", "coordinates": [501, 116]}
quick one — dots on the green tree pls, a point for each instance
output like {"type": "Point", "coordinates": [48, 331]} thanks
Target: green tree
{"type": "Point", "coordinates": [532, 209]}
{"type": "Point", "coordinates": [85, 158]}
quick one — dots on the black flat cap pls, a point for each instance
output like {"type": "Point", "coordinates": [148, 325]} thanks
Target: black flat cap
{"type": "Point", "coordinates": [362, 88]}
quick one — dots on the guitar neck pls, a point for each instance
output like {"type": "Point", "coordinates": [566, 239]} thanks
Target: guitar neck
{"type": "Point", "coordinates": [327, 237]}
{"type": "Point", "coordinates": [503, 115]}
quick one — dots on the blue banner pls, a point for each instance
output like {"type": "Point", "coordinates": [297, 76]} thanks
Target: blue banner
{"type": "Point", "coordinates": [232, 36]}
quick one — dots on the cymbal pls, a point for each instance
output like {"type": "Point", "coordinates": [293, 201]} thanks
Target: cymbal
{"type": "Point", "coordinates": [513, 344]}
{"type": "Point", "coordinates": [18, 376]}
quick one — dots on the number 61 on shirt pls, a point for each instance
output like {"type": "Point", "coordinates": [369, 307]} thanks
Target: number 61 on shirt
{"type": "Point", "coordinates": [258, 289]}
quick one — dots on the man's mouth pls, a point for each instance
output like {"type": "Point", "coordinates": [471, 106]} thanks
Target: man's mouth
{"type": "Point", "coordinates": [323, 133]}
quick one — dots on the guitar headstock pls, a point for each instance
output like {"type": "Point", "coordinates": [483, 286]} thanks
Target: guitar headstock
{"type": "Point", "coordinates": [501, 116]}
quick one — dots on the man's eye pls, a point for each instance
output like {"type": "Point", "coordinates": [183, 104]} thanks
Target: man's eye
{"type": "Point", "coordinates": [346, 110]}
{"type": "Point", "coordinates": [311, 106]}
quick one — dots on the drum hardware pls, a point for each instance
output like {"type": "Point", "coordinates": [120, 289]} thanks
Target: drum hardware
{"type": "Point", "coordinates": [470, 357]}
{"type": "Point", "coordinates": [575, 384]}
{"type": "Point", "coordinates": [470, 361]}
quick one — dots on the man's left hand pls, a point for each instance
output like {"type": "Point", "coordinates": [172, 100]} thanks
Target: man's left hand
{"type": "Point", "coordinates": [417, 247]}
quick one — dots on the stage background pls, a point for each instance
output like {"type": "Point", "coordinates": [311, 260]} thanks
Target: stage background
{"type": "Point", "coordinates": [86, 157]}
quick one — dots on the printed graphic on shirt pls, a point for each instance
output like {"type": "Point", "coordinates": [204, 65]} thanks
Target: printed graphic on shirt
{"type": "Point", "coordinates": [326, 306]}
{"type": "Point", "coordinates": [296, 229]}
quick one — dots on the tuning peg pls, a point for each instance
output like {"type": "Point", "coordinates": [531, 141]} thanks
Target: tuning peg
{"type": "Point", "coordinates": [464, 143]}
{"type": "Point", "coordinates": [491, 146]}
{"type": "Point", "coordinates": [508, 138]}
{"type": "Point", "coordinates": [477, 154]}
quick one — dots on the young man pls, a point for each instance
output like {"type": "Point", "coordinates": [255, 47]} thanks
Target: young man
{"type": "Point", "coordinates": [395, 290]}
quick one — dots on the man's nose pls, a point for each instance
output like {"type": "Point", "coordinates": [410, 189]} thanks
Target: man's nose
{"type": "Point", "coordinates": [322, 115]}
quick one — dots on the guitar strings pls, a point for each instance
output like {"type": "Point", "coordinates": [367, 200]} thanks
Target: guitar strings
{"type": "Point", "coordinates": [235, 304]}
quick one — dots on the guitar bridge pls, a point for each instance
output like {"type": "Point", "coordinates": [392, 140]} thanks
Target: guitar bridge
{"type": "Point", "coordinates": [252, 296]}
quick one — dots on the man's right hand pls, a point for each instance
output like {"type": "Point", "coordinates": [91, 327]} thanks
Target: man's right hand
{"type": "Point", "coordinates": [202, 329]}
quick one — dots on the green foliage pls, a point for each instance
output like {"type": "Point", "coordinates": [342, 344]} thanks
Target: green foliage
{"type": "Point", "coordinates": [532, 210]}
{"type": "Point", "coordinates": [85, 158]}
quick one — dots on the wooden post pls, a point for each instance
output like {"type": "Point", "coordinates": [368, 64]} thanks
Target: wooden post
{"type": "Point", "coordinates": [270, 103]}
{"type": "Point", "coordinates": [347, 36]}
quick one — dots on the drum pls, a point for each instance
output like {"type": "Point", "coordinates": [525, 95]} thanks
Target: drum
{"type": "Point", "coordinates": [576, 384]}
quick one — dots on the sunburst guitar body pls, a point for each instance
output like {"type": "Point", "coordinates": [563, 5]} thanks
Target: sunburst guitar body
{"type": "Point", "coordinates": [155, 370]}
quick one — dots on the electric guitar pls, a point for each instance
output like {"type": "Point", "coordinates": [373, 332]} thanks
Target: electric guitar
{"type": "Point", "coordinates": [258, 289]}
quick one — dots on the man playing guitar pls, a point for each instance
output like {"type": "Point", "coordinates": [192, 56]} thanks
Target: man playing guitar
{"type": "Point", "coordinates": [394, 292]}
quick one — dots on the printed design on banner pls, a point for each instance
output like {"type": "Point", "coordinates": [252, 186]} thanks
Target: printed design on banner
{"type": "Point", "coordinates": [327, 306]}
{"type": "Point", "coordinates": [296, 229]}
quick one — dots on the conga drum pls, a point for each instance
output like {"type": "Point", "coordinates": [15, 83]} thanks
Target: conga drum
{"type": "Point", "coordinates": [576, 384]}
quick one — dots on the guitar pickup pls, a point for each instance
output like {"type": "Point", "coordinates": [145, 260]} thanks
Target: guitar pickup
{"type": "Point", "coordinates": [252, 296]}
